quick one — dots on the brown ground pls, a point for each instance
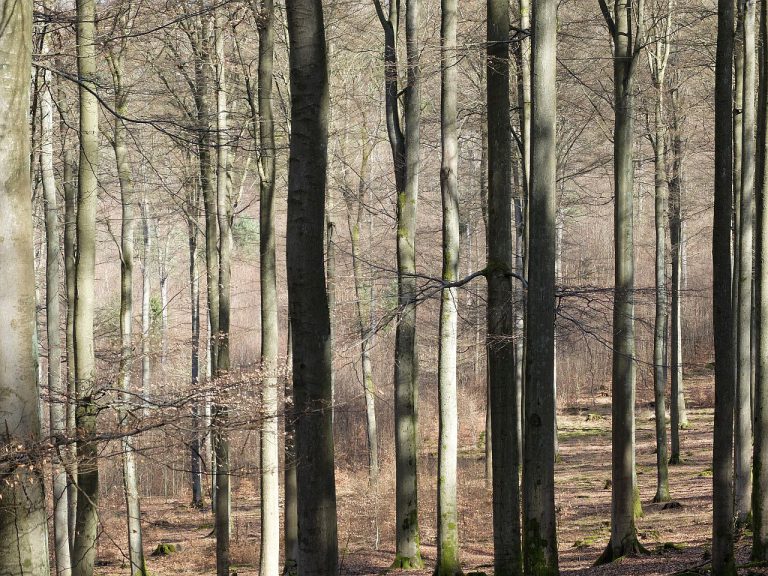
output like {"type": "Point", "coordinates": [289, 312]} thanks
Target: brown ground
{"type": "Point", "coordinates": [676, 538]}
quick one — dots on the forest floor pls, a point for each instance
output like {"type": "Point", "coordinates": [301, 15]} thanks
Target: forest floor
{"type": "Point", "coordinates": [676, 538]}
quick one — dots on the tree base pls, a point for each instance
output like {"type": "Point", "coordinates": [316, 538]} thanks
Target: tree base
{"type": "Point", "coordinates": [675, 460]}
{"type": "Point", "coordinates": [662, 495]}
{"type": "Point", "coordinates": [631, 547]}
{"type": "Point", "coordinates": [407, 563]}
{"type": "Point", "coordinates": [453, 570]}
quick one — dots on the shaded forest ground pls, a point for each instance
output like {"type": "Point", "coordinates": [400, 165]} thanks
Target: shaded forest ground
{"type": "Point", "coordinates": [676, 538]}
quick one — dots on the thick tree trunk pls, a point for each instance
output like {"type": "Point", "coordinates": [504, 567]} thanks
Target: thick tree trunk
{"type": "Point", "coordinates": [56, 388]}
{"type": "Point", "coordinates": [269, 457]}
{"type": "Point", "coordinates": [743, 408]}
{"type": "Point", "coordinates": [23, 519]}
{"type": "Point", "coordinates": [723, 561]}
{"type": "Point", "coordinates": [760, 457]}
{"type": "Point", "coordinates": [130, 477]}
{"type": "Point", "coordinates": [624, 492]}
{"type": "Point", "coordinates": [539, 519]}
{"type": "Point", "coordinates": [308, 301]}
{"type": "Point", "coordinates": [504, 416]}
{"type": "Point", "coordinates": [448, 562]}
{"type": "Point", "coordinates": [86, 523]}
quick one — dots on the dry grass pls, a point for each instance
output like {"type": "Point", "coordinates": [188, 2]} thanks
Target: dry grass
{"type": "Point", "coordinates": [675, 538]}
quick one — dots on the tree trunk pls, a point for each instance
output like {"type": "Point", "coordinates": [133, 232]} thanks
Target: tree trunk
{"type": "Point", "coordinates": [23, 519]}
{"type": "Point", "coordinates": [743, 409]}
{"type": "Point", "coordinates": [56, 389]}
{"type": "Point", "coordinates": [760, 458]}
{"type": "Point", "coordinates": [130, 477]}
{"type": "Point", "coordinates": [307, 298]}
{"type": "Point", "coordinates": [539, 519]}
{"type": "Point", "coordinates": [146, 296]}
{"type": "Point", "coordinates": [86, 523]}
{"type": "Point", "coordinates": [269, 457]}
{"type": "Point", "coordinates": [196, 445]}
{"type": "Point", "coordinates": [448, 563]}
{"type": "Point", "coordinates": [624, 492]}
{"type": "Point", "coordinates": [723, 561]}
{"type": "Point", "coordinates": [678, 417]}
{"type": "Point", "coordinates": [224, 215]}
{"type": "Point", "coordinates": [504, 416]}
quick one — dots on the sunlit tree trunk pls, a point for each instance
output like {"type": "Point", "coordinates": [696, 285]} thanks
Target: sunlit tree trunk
{"type": "Point", "coordinates": [448, 562]}
{"type": "Point", "coordinates": [146, 297]}
{"type": "Point", "coordinates": [307, 298]}
{"type": "Point", "coordinates": [539, 520]}
{"type": "Point", "coordinates": [23, 518]}
{"type": "Point", "coordinates": [56, 388]}
{"type": "Point", "coordinates": [86, 523]}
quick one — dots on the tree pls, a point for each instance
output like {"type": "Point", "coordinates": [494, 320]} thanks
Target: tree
{"type": "Point", "coordinates": [760, 452]}
{"type": "Point", "coordinates": [500, 347]}
{"type": "Point", "coordinates": [307, 298]}
{"type": "Point", "coordinates": [627, 44]}
{"type": "Point", "coordinates": [269, 458]}
{"type": "Point", "coordinates": [539, 520]}
{"type": "Point", "coordinates": [448, 563]}
{"type": "Point", "coordinates": [86, 523]}
{"type": "Point", "coordinates": [658, 57]}
{"type": "Point", "coordinates": [115, 58]}
{"type": "Point", "coordinates": [743, 280]}
{"type": "Point", "coordinates": [405, 156]}
{"type": "Point", "coordinates": [56, 388]}
{"type": "Point", "coordinates": [723, 561]}
{"type": "Point", "coordinates": [23, 519]}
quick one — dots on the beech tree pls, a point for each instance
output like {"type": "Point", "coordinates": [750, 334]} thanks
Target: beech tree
{"type": "Point", "coordinates": [307, 297]}
{"type": "Point", "coordinates": [23, 518]}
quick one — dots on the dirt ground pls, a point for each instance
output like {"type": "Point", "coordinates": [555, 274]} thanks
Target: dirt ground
{"type": "Point", "coordinates": [676, 538]}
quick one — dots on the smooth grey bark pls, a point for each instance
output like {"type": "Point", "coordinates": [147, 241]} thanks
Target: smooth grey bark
{"type": "Point", "coordinates": [196, 443]}
{"type": "Point", "coordinates": [224, 216]}
{"type": "Point", "coordinates": [23, 518]}
{"type": "Point", "coordinates": [86, 522]}
{"type": "Point", "coordinates": [269, 457]}
{"type": "Point", "coordinates": [723, 561]}
{"type": "Point", "coordinates": [743, 408]}
{"type": "Point", "coordinates": [539, 519]}
{"type": "Point", "coordinates": [677, 412]}
{"type": "Point", "coordinates": [658, 50]}
{"type": "Point", "coordinates": [307, 298]}
{"type": "Point", "coordinates": [507, 554]}
{"type": "Point", "coordinates": [56, 388]}
{"type": "Point", "coordinates": [364, 298]}
{"type": "Point", "coordinates": [291, 520]}
{"type": "Point", "coordinates": [448, 561]}
{"type": "Point", "coordinates": [627, 44]}
{"type": "Point", "coordinates": [127, 200]}
{"type": "Point", "coordinates": [146, 296]}
{"type": "Point", "coordinates": [760, 451]}
{"type": "Point", "coordinates": [406, 158]}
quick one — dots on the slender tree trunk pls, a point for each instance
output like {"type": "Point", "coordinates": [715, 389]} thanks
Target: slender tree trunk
{"type": "Point", "coordinates": [760, 458]}
{"type": "Point", "coordinates": [146, 296]}
{"type": "Point", "coordinates": [723, 561]}
{"type": "Point", "coordinates": [56, 388]}
{"type": "Point", "coordinates": [504, 416]}
{"type": "Point", "coordinates": [743, 409]}
{"type": "Point", "coordinates": [484, 210]}
{"type": "Point", "coordinates": [678, 417]}
{"type": "Point", "coordinates": [196, 445]}
{"type": "Point", "coordinates": [539, 519]}
{"type": "Point", "coordinates": [624, 492]}
{"type": "Point", "coordinates": [448, 562]}
{"type": "Point", "coordinates": [23, 519]}
{"type": "Point", "coordinates": [224, 215]}
{"type": "Point", "coordinates": [130, 477]}
{"type": "Point", "coordinates": [86, 523]}
{"type": "Point", "coordinates": [307, 298]}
